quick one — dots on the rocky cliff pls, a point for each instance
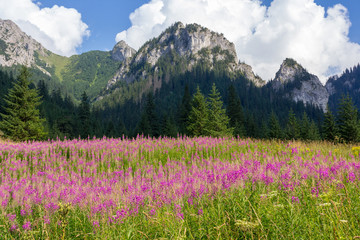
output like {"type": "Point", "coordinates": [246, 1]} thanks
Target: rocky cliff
{"type": "Point", "coordinates": [17, 48]}
{"type": "Point", "coordinates": [121, 52]}
{"type": "Point", "coordinates": [296, 83]}
{"type": "Point", "coordinates": [191, 43]}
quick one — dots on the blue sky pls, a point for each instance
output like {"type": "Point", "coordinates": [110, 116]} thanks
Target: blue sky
{"type": "Point", "coordinates": [108, 17]}
{"type": "Point", "coordinates": [322, 35]}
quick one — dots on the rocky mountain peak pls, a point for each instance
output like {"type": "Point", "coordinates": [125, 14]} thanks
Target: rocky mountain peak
{"type": "Point", "coordinates": [122, 51]}
{"type": "Point", "coordinates": [289, 71]}
{"type": "Point", "coordinates": [190, 41]}
{"type": "Point", "coordinates": [299, 85]}
{"type": "Point", "coordinates": [16, 47]}
{"type": "Point", "coordinates": [192, 44]}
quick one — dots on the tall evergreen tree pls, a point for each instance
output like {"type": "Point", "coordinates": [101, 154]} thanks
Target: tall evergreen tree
{"type": "Point", "coordinates": [198, 116]}
{"type": "Point", "coordinates": [149, 122]}
{"type": "Point", "coordinates": [329, 126]}
{"type": "Point", "coordinates": [292, 130]}
{"type": "Point", "coordinates": [21, 120]}
{"type": "Point", "coordinates": [305, 127]}
{"type": "Point", "coordinates": [275, 131]}
{"type": "Point", "coordinates": [151, 115]}
{"type": "Point", "coordinates": [313, 131]}
{"type": "Point", "coordinates": [184, 110]}
{"type": "Point", "coordinates": [218, 121]}
{"type": "Point", "coordinates": [84, 116]}
{"type": "Point", "coordinates": [169, 127]}
{"type": "Point", "coordinates": [347, 121]}
{"type": "Point", "coordinates": [235, 112]}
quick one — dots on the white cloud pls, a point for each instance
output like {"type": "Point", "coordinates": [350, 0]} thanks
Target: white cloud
{"type": "Point", "coordinates": [316, 37]}
{"type": "Point", "coordinates": [59, 29]}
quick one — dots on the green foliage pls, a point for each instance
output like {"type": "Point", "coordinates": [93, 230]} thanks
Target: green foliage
{"type": "Point", "coordinates": [347, 120]}
{"type": "Point", "coordinates": [21, 120]}
{"type": "Point", "coordinates": [275, 131]}
{"type": "Point", "coordinates": [84, 116]}
{"type": "Point", "coordinates": [304, 127]}
{"type": "Point", "coordinates": [235, 112]}
{"type": "Point", "coordinates": [149, 123]}
{"type": "Point", "coordinates": [217, 121]}
{"type": "Point", "coordinates": [292, 130]}
{"type": "Point", "coordinates": [88, 72]}
{"type": "Point", "coordinates": [184, 110]}
{"type": "Point", "coordinates": [198, 117]}
{"type": "Point", "coordinates": [329, 126]}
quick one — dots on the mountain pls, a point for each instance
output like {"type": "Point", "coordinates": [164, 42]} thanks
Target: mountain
{"type": "Point", "coordinates": [294, 82]}
{"type": "Point", "coordinates": [17, 48]}
{"type": "Point", "coordinates": [120, 81]}
{"type": "Point", "coordinates": [88, 72]}
{"type": "Point", "coordinates": [348, 83]}
{"type": "Point", "coordinates": [185, 45]}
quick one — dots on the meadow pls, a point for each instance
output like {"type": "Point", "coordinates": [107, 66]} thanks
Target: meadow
{"type": "Point", "coordinates": [184, 188]}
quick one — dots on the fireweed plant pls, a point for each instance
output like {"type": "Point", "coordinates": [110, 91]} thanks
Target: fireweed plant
{"type": "Point", "coordinates": [184, 188]}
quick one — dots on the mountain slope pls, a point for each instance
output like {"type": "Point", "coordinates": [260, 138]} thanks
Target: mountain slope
{"type": "Point", "coordinates": [178, 49]}
{"type": "Point", "coordinates": [346, 84]}
{"type": "Point", "coordinates": [294, 82]}
{"type": "Point", "coordinates": [89, 71]}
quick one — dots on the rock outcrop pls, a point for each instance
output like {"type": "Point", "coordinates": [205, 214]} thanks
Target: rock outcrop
{"type": "Point", "coordinates": [16, 47]}
{"type": "Point", "coordinates": [121, 52]}
{"type": "Point", "coordinates": [299, 85]}
{"type": "Point", "coordinates": [193, 43]}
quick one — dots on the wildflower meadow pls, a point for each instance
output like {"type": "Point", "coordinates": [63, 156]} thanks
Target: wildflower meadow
{"type": "Point", "coordinates": [179, 188]}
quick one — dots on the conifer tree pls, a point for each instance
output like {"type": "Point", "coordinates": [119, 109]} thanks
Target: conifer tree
{"type": "Point", "coordinates": [169, 127]}
{"type": "Point", "coordinates": [21, 120]}
{"type": "Point", "coordinates": [329, 126]}
{"type": "Point", "coordinates": [305, 127]}
{"type": "Point", "coordinates": [84, 116]}
{"type": "Point", "coordinates": [218, 121]}
{"type": "Point", "coordinates": [274, 127]}
{"type": "Point", "coordinates": [235, 112]}
{"type": "Point", "coordinates": [151, 115]}
{"type": "Point", "coordinates": [292, 127]}
{"type": "Point", "coordinates": [184, 110]}
{"type": "Point", "coordinates": [347, 121]}
{"type": "Point", "coordinates": [198, 116]}
{"type": "Point", "coordinates": [149, 122]}
{"type": "Point", "coordinates": [313, 131]}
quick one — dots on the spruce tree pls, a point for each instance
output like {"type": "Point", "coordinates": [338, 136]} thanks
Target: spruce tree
{"type": "Point", "coordinates": [184, 110]}
{"type": "Point", "coordinates": [151, 116]}
{"type": "Point", "coordinates": [274, 127]}
{"type": "Point", "coordinates": [314, 131]}
{"type": "Point", "coordinates": [169, 127]}
{"type": "Point", "coordinates": [21, 120]}
{"type": "Point", "coordinates": [84, 116]}
{"type": "Point", "coordinates": [305, 127]}
{"type": "Point", "coordinates": [218, 121]}
{"type": "Point", "coordinates": [198, 116]}
{"type": "Point", "coordinates": [292, 130]}
{"type": "Point", "coordinates": [347, 121]}
{"type": "Point", "coordinates": [329, 126]}
{"type": "Point", "coordinates": [235, 112]}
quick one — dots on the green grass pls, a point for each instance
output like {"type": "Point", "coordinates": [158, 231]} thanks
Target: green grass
{"type": "Point", "coordinates": [58, 62]}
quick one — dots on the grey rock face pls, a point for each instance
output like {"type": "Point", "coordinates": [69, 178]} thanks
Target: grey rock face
{"type": "Point", "coordinates": [305, 87]}
{"type": "Point", "coordinates": [192, 42]}
{"type": "Point", "coordinates": [17, 47]}
{"type": "Point", "coordinates": [122, 52]}
{"type": "Point", "coordinates": [249, 74]}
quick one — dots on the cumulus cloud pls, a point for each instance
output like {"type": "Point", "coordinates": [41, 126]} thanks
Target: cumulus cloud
{"type": "Point", "coordinates": [59, 29]}
{"type": "Point", "coordinates": [264, 36]}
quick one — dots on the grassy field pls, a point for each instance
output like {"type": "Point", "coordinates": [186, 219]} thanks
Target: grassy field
{"type": "Point", "coordinates": [185, 188]}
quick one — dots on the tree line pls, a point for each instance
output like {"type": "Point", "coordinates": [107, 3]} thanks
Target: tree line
{"type": "Point", "coordinates": [32, 113]}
